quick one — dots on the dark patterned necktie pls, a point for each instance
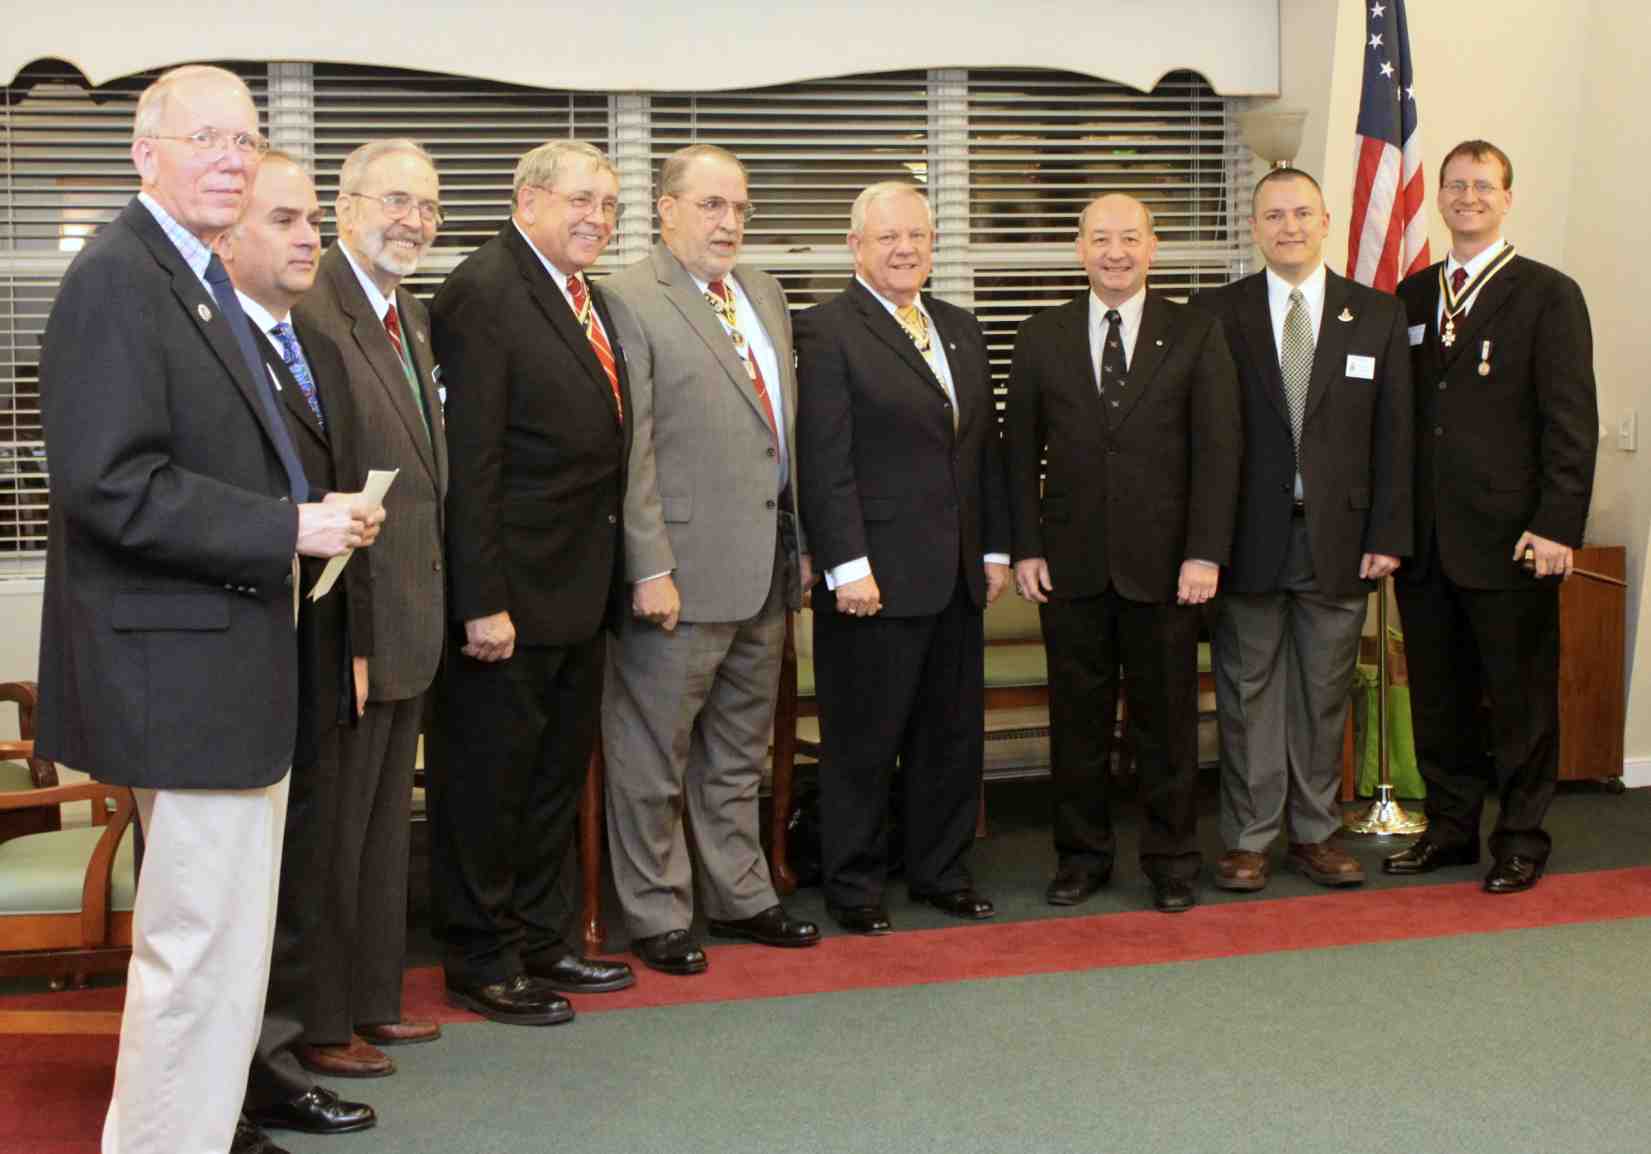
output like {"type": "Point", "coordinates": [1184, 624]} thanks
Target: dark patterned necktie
{"type": "Point", "coordinates": [300, 369]}
{"type": "Point", "coordinates": [1296, 362]}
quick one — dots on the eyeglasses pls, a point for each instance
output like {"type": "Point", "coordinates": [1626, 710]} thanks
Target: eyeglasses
{"type": "Point", "coordinates": [1459, 187]}
{"type": "Point", "coordinates": [713, 208]}
{"type": "Point", "coordinates": [212, 140]}
{"type": "Point", "coordinates": [397, 205]}
{"type": "Point", "coordinates": [582, 202]}
{"type": "Point", "coordinates": [917, 237]}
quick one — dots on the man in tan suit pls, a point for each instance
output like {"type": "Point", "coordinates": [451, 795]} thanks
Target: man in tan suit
{"type": "Point", "coordinates": [714, 560]}
{"type": "Point", "coordinates": [388, 214]}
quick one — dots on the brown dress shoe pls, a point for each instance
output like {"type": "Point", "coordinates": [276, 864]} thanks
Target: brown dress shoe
{"type": "Point", "coordinates": [1325, 864]}
{"type": "Point", "coordinates": [357, 1059]}
{"type": "Point", "coordinates": [1239, 869]}
{"type": "Point", "coordinates": [403, 1033]}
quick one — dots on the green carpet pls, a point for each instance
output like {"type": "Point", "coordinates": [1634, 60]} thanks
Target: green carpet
{"type": "Point", "coordinates": [1524, 1041]}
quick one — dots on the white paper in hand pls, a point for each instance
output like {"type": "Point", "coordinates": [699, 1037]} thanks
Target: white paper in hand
{"type": "Point", "coordinates": [378, 484]}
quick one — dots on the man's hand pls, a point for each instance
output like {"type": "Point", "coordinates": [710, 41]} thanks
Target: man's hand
{"type": "Point", "coordinates": [374, 514]}
{"type": "Point", "coordinates": [1375, 566]}
{"type": "Point", "coordinates": [860, 598]}
{"type": "Point", "coordinates": [1032, 579]}
{"type": "Point", "coordinates": [997, 580]}
{"type": "Point", "coordinates": [805, 571]}
{"type": "Point", "coordinates": [657, 600]}
{"type": "Point", "coordinates": [358, 666]}
{"type": "Point", "coordinates": [1197, 583]}
{"type": "Point", "coordinates": [1552, 558]}
{"type": "Point", "coordinates": [328, 528]}
{"type": "Point", "coordinates": [491, 638]}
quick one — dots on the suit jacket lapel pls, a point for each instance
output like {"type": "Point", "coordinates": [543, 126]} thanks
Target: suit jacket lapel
{"type": "Point", "coordinates": [542, 288]}
{"type": "Point", "coordinates": [1490, 300]}
{"type": "Point", "coordinates": [1151, 344]}
{"type": "Point", "coordinates": [414, 333]}
{"type": "Point", "coordinates": [771, 312]}
{"type": "Point", "coordinates": [193, 298]}
{"type": "Point", "coordinates": [682, 292]}
{"type": "Point", "coordinates": [1255, 330]}
{"type": "Point", "coordinates": [600, 304]}
{"type": "Point", "coordinates": [888, 330]}
{"type": "Point", "coordinates": [1074, 350]}
{"type": "Point", "coordinates": [965, 384]}
{"type": "Point", "coordinates": [1330, 350]}
{"type": "Point", "coordinates": [367, 330]}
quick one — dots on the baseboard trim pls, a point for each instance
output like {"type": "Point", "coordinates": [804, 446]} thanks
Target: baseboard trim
{"type": "Point", "coordinates": [1636, 772]}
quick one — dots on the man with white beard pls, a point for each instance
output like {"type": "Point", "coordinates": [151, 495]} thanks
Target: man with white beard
{"type": "Point", "coordinates": [388, 213]}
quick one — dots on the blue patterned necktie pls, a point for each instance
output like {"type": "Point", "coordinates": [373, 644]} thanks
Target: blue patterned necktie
{"type": "Point", "coordinates": [294, 357]}
{"type": "Point", "coordinates": [217, 277]}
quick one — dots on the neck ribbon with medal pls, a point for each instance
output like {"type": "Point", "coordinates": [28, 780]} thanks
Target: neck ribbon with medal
{"type": "Point", "coordinates": [723, 304]}
{"type": "Point", "coordinates": [1456, 303]}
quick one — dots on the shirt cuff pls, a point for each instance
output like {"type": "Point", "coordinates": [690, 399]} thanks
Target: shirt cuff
{"type": "Point", "coordinates": [1201, 561]}
{"type": "Point", "coordinates": [997, 558]}
{"type": "Point", "coordinates": [655, 577]}
{"type": "Point", "coordinates": [847, 571]}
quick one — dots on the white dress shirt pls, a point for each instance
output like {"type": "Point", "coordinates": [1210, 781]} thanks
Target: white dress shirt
{"type": "Point", "coordinates": [768, 360]}
{"type": "Point", "coordinates": [936, 357]}
{"type": "Point", "coordinates": [380, 302]}
{"type": "Point", "coordinates": [1278, 305]}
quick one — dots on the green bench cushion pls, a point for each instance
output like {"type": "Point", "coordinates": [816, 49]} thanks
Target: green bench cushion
{"type": "Point", "coordinates": [14, 775]}
{"type": "Point", "coordinates": [44, 873]}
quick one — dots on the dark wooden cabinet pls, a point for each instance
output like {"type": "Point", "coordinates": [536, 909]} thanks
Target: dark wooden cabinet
{"type": "Point", "coordinates": [1593, 619]}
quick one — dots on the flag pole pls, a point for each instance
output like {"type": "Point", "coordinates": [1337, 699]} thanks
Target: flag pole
{"type": "Point", "coordinates": [1385, 817]}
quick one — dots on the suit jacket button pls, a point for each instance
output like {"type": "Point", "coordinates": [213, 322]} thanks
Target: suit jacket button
{"type": "Point", "coordinates": [1438, 430]}
{"type": "Point", "coordinates": [613, 519]}
{"type": "Point", "coordinates": [768, 504]}
{"type": "Point", "coordinates": [1441, 386]}
{"type": "Point", "coordinates": [771, 451]}
{"type": "Point", "coordinates": [435, 566]}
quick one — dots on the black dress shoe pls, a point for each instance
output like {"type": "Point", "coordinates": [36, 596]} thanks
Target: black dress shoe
{"type": "Point", "coordinates": [1172, 895]}
{"type": "Point", "coordinates": [251, 1140]}
{"type": "Point", "coordinates": [1426, 856]}
{"type": "Point", "coordinates": [572, 974]}
{"type": "Point", "coordinates": [316, 1111]}
{"type": "Point", "coordinates": [772, 927]}
{"type": "Point", "coordinates": [1513, 874]}
{"type": "Point", "coordinates": [963, 903]}
{"type": "Point", "coordinates": [672, 952]}
{"type": "Point", "coordinates": [1073, 883]}
{"type": "Point", "coordinates": [870, 920]}
{"type": "Point", "coordinates": [518, 1001]}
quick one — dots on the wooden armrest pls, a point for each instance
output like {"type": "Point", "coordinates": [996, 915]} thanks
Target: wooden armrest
{"type": "Point", "coordinates": [24, 695]}
{"type": "Point", "coordinates": [16, 749]}
{"type": "Point", "coordinates": [94, 897]}
{"type": "Point", "coordinates": [60, 795]}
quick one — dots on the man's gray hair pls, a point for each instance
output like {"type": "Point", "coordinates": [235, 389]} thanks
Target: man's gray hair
{"type": "Point", "coordinates": [1152, 221]}
{"type": "Point", "coordinates": [358, 162]}
{"type": "Point", "coordinates": [152, 105]}
{"type": "Point", "coordinates": [875, 192]}
{"type": "Point", "coordinates": [539, 165]}
{"type": "Point", "coordinates": [673, 174]}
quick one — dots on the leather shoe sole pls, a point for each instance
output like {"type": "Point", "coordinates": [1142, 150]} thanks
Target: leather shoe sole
{"type": "Point", "coordinates": [550, 1014]}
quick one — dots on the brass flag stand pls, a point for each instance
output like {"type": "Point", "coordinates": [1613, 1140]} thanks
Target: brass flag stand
{"type": "Point", "coordinates": [1385, 817]}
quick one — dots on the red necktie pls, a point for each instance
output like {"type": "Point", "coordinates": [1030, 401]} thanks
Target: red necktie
{"type": "Point", "coordinates": [722, 300]}
{"type": "Point", "coordinates": [597, 338]}
{"type": "Point", "coordinates": [1458, 279]}
{"type": "Point", "coordinates": [392, 325]}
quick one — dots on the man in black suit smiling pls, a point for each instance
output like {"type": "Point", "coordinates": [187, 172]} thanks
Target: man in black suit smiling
{"type": "Point", "coordinates": [902, 498]}
{"type": "Point", "coordinates": [1133, 401]}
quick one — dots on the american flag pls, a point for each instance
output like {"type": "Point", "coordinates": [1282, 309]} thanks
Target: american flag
{"type": "Point", "coordinates": [1387, 236]}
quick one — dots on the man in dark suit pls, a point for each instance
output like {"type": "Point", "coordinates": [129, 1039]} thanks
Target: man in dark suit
{"type": "Point", "coordinates": [271, 256]}
{"type": "Point", "coordinates": [536, 407]}
{"type": "Point", "coordinates": [901, 470]}
{"type": "Point", "coordinates": [1133, 401]}
{"type": "Point", "coordinates": [168, 659]}
{"type": "Point", "coordinates": [388, 213]}
{"type": "Point", "coordinates": [1323, 513]}
{"type": "Point", "coordinates": [1507, 427]}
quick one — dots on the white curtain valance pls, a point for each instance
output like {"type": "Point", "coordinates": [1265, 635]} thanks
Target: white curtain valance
{"type": "Point", "coordinates": [645, 45]}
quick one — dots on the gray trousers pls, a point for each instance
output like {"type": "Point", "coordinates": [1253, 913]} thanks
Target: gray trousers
{"type": "Point", "coordinates": [685, 722]}
{"type": "Point", "coordinates": [1284, 665]}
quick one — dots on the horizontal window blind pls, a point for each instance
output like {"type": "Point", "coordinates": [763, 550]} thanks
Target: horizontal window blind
{"type": "Point", "coordinates": [1008, 156]}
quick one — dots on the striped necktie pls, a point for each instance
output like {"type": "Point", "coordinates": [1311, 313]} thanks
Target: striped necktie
{"type": "Point", "coordinates": [586, 315]}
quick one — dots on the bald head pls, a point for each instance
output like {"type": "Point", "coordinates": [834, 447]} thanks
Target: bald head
{"type": "Point", "coordinates": [1116, 244]}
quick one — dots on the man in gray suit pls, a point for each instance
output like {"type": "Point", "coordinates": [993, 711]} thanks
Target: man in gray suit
{"type": "Point", "coordinates": [715, 562]}
{"type": "Point", "coordinates": [388, 214]}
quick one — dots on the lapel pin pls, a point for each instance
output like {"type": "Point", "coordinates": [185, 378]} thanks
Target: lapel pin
{"type": "Point", "coordinates": [418, 335]}
{"type": "Point", "coordinates": [1159, 343]}
{"type": "Point", "coordinates": [952, 345]}
{"type": "Point", "coordinates": [1345, 315]}
{"type": "Point", "coordinates": [1484, 359]}
{"type": "Point", "coordinates": [204, 313]}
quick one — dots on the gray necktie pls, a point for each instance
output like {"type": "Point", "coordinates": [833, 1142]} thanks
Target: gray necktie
{"type": "Point", "coordinates": [1297, 362]}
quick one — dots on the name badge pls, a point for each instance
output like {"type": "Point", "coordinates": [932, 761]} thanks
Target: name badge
{"type": "Point", "coordinates": [1418, 334]}
{"type": "Point", "coordinates": [1362, 367]}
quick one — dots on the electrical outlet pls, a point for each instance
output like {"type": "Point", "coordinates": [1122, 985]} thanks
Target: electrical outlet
{"type": "Point", "coordinates": [1628, 432]}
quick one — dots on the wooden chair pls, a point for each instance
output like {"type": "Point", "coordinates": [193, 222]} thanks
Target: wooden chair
{"type": "Point", "coordinates": [66, 897]}
{"type": "Point", "coordinates": [26, 772]}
